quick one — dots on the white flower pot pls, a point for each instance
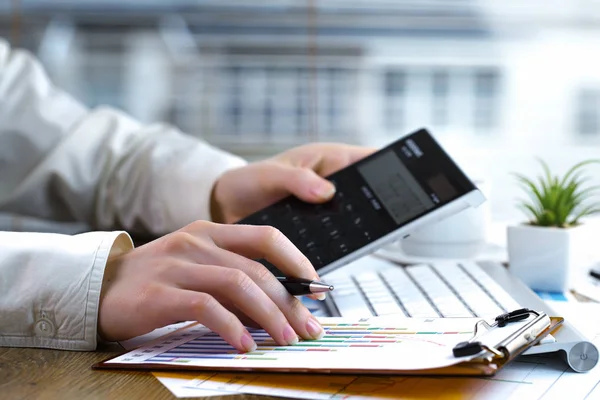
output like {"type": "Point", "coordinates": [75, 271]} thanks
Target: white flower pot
{"type": "Point", "coordinates": [545, 258]}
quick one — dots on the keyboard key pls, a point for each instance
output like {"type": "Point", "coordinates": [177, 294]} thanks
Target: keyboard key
{"type": "Point", "coordinates": [409, 295]}
{"type": "Point", "coordinates": [465, 287]}
{"type": "Point", "coordinates": [491, 286]}
{"type": "Point", "coordinates": [438, 292]}
{"type": "Point", "coordinates": [351, 305]}
{"type": "Point", "coordinates": [343, 287]}
{"type": "Point", "coordinates": [387, 308]}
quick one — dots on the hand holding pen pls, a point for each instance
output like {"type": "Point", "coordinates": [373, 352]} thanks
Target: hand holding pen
{"type": "Point", "coordinates": [303, 287]}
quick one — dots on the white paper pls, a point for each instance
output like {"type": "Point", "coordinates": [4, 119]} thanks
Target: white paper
{"type": "Point", "coordinates": [589, 287]}
{"type": "Point", "coordinates": [531, 377]}
{"type": "Point", "coordinates": [137, 341]}
{"type": "Point", "coordinates": [379, 343]}
{"type": "Point", "coordinates": [179, 386]}
{"type": "Point", "coordinates": [542, 377]}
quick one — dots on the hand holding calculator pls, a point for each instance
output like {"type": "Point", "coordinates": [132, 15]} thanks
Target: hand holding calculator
{"type": "Point", "coordinates": [378, 199]}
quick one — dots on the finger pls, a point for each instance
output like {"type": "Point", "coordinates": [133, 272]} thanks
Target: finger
{"type": "Point", "coordinates": [256, 242]}
{"type": "Point", "coordinates": [187, 305]}
{"type": "Point", "coordinates": [299, 317]}
{"type": "Point", "coordinates": [307, 185]}
{"type": "Point", "coordinates": [240, 290]}
{"type": "Point", "coordinates": [303, 183]}
{"type": "Point", "coordinates": [245, 320]}
{"type": "Point", "coordinates": [306, 180]}
{"type": "Point", "coordinates": [334, 157]}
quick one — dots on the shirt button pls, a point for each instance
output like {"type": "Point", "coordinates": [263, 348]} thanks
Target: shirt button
{"type": "Point", "coordinates": [44, 328]}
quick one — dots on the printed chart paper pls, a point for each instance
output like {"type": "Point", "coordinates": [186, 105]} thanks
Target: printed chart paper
{"type": "Point", "coordinates": [407, 344]}
{"type": "Point", "coordinates": [376, 344]}
{"type": "Point", "coordinates": [540, 377]}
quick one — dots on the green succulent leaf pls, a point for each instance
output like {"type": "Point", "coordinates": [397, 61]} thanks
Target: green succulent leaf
{"type": "Point", "coordinates": [559, 201]}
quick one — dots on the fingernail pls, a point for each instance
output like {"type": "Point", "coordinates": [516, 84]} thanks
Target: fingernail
{"type": "Point", "coordinates": [314, 329]}
{"type": "Point", "coordinates": [320, 296]}
{"type": "Point", "coordinates": [289, 335]}
{"type": "Point", "coordinates": [325, 190]}
{"type": "Point", "coordinates": [248, 343]}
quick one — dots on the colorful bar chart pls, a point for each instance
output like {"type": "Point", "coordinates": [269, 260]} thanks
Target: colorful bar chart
{"type": "Point", "coordinates": [338, 337]}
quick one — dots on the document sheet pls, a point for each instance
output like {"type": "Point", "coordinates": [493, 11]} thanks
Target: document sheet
{"type": "Point", "coordinates": [369, 344]}
{"type": "Point", "coordinates": [529, 377]}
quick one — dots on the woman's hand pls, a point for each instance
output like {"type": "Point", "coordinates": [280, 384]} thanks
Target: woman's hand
{"type": "Point", "coordinates": [299, 171]}
{"type": "Point", "coordinates": [205, 272]}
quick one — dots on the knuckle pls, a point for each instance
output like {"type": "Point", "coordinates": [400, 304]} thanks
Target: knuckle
{"type": "Point", "coordinates": [200, 225]}
{"type": "Point", "coordinates": [261, 273]}
{"type": "Point", "coordinates": [305, 175]}
{"type": "Point", "coordinates": [239, 279]}
{"type": "Point", "coordinates": [203, 303]}
{"type": "Point", "coordinates": [272, 237]}
{"type": "Point", "coordinates": [178, 241]}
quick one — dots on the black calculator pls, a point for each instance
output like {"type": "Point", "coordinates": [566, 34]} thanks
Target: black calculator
{"type": "Point", "coordinates": [379, 199]}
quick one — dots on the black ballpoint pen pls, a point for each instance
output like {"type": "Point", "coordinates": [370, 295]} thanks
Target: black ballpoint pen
{"type": "Point", "coordinates": [302, 287]}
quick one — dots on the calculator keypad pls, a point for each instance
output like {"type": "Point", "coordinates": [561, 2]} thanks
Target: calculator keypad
{"type": "Point", "coordinates": [324, 232]}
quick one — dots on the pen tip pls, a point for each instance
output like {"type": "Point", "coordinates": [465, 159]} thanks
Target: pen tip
{"type": "Point", "coordinates": [320, 287]}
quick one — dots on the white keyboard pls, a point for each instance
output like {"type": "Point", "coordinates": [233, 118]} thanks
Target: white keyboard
{"type": "Point", "coordinates": [442, 289]}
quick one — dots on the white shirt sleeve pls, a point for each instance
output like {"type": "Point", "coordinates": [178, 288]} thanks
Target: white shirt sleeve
{"type": "Point", "coordinates": [49, 296]}
{"type": "Point", "coordinates": [62, 161]}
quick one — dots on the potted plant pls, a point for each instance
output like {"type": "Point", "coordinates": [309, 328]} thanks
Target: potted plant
{"type": "Point", "coordinates": [546, 251]}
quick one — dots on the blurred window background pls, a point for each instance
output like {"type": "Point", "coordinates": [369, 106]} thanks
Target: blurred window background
{"type": "Point", "coordinates": [498, 82]}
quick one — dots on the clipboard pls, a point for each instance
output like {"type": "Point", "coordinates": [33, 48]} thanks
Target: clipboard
{"type": "Point", "coordinates": [391, 345]}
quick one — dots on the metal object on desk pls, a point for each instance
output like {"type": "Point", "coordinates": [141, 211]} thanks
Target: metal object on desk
{"type": "Point", "coordinates": [576, 350]}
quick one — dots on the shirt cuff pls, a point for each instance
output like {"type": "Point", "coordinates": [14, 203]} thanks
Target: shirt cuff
{"type": "Point", "coordinates": [50, 287]}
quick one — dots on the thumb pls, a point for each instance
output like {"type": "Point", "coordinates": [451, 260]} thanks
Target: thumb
{"type": "Point", "coordinates": [306, 184]}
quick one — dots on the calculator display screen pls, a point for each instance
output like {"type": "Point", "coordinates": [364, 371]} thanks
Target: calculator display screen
{"type": "Point", "coordinates": [396, 188]}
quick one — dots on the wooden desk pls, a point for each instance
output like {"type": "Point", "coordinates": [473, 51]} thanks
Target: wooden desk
{"type": "Point", "coordinates": [55, 374]}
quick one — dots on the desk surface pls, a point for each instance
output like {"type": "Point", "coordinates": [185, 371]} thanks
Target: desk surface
{"type": "Point", "coordinates": [50, 374]}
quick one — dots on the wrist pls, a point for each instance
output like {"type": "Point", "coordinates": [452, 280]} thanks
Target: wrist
{"type": "Point", "coordinates": [121, 246]}
{"type": "Point", "coordinates": [216, 213]}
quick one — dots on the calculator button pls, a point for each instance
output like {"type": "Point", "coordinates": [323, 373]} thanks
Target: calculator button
{"type": "Point", "coordinates": [334, 234]}
{"type": "Point", "coordinates": [341, 249]}
{"type": "Point", "coordinates": [302, 233]}
{"type": "Point", "coordinates": [311, 245]}
{"type": "Point", "coordinates": [366, 236]}
{"type": "Point", "coordinates": [326, 221]}
{"type": "Point", "coordinates": [317, 261]}
{"type": "Point", "coordinates": [316, 257]}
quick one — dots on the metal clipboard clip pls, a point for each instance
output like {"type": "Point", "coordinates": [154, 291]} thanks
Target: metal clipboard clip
{"type": "Point", "coordinates": [513, 344]}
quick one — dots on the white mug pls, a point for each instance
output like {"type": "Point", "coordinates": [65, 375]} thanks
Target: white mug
{"type": "Point", "coordinates": [462, 235]}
